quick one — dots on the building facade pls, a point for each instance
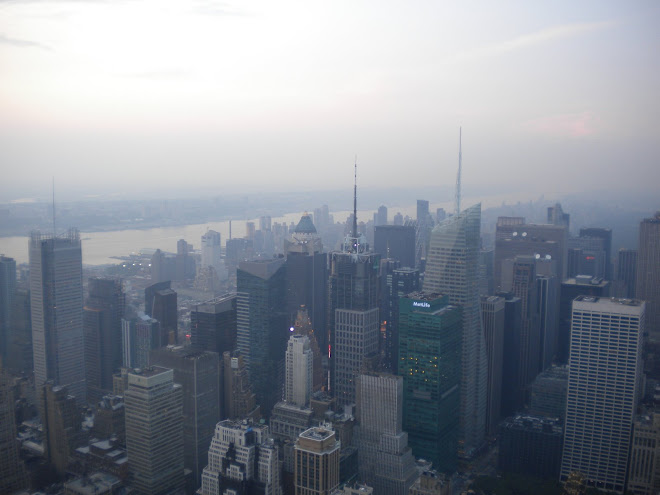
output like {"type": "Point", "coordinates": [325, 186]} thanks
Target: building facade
{"type": "Point", "coordinates": [316, 462]}
{"type": "Point", "coordinates": [648, 273]}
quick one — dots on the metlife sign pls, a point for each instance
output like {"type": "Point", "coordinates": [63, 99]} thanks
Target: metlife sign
{"type": "Point", "coordinates": [421, 304]}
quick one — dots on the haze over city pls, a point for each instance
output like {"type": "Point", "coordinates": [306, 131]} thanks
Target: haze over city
{"type": "Point", "coordinates": [139, 96]}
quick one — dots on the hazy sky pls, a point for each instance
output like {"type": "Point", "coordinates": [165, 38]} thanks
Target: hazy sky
{"type": "Point", "coordinates": [124, 95]}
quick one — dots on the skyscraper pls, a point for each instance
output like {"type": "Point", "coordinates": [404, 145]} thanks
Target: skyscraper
{"type": "Point", "coordinates": [160, 302]}
{"type": "Point", "coordinates": [626, 273]}
{"type": "Point", "coordinates": [452, 269]}
{"type": "Point", "coordinates": [213, 325]}
{"type": "Point", "coordinates": [12, 470]}
{"type": "Point", "coordinates": [262, 326]}
{"type": "Point", "coordinates": [430, 336]}
{"type": "Point", "coordinates": [299, 367]}
{"type": "Point", "coordinates": [400, 282]}
{"type": "Point", "coordinates": [198, 373]}
{"type": "Point", "coordinates": [648, 272]}
{"type": "Point", "coordinates": [57, 311]}
{"type": "Point", "coordinates": [154, 431]}
{"type": "Point", "coordinates": [606, 236]}
{"type": "Point", "coordinates": [396, 241]}
{"type": "Point", "coordinates": [61, 425]}
{"type": "Point", "coordinates": [386, 461]}
{"type": "Point", "coordinates": [7, 291]}
{"type": "Point", "coordinates": [316, 462]}
{"type": "Point", "coordinates": [211, 250]}
{"type": "Point", "coordinates": [238, 401]}
{"type": "Point", "coordinates": [102, 317]}
{"type": "Point", "coordinates": [604, 376]}
{"type": "Point", "coordinates": [492, 310]}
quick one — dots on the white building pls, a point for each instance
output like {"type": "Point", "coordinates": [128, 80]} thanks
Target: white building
{"type": "Point", "coordinates": [603, 389]}
{"type": "Point", "coordinates": [299, 369]}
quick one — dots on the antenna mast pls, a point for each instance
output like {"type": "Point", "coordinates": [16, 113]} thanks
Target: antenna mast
{"type": "Point", "coordinates": [355, 232]}
{"type": "Point", "coordinates": [458, 177]}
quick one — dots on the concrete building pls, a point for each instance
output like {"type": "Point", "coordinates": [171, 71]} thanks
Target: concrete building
{"type": "Point", "coordinates": [430, 364]}
{"type": "Point", "coordinates": [262, 326]}
{"type": "Point", "coordinates": [430, 482]}
{"type": "Point", "coordinates": [61, 424]}
{"type": "Point", "coordinates": [13, 476]}
{"type": "Point", "coordinates": [57, 311]}
{"type": "Point", "coordinates": [492, 314]}
{"type": "Point", "coordinates": [530, 445]}
{"type": "Point", "coordinates": [109, 419]}
{"type": "Point", "coordinates": [316, 462]}
{"type": "Point", "coordinates": [239, 401]}
{"type": "Point", "coordinates": [648, 273]}
{"type": "Point", "coordinates": [154, 431]}
{"type": "Point", "coordinates": [102, 315]}
{"type": "Point", "coordinates": [452, 269]}
{"type": "Point", "coordinates": [299, 371]}
{"type": "Point", "coordinates": [386, 461]}
{"type": "Point", "coordinates": [548, 393]}
{"type": "Point", "coordinates": [605, 370]}
{"type": "Point", "coordinates": [644, 467]}
{"type": "Point", "coordinates": [243, 460]}
{"type": "Point", "coordinates": [212, 251]}
{"type": "Point", "coordinates": [198, 373]}
{"type": "Point", "coordinates": [303, 326]}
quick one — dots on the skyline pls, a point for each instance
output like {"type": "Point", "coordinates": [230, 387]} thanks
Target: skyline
{"type": "Point", "coordinates": [144, 95]}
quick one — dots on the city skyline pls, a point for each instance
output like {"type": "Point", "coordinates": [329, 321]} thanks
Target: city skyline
{"type": "Point", "coordinates": [256, 96]}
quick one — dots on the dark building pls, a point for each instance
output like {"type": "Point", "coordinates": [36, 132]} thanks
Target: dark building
{"type": "Point", "coordinates": [109, 419]}
{"type": "Point", "coordinates": [12, 470]}
{"type": "Point", "coordinates": [237, 250]}
{"type": "Point", "coordinates": [512, 331]}
{"type": "Point", "coordinates": [102, 317]}
{"type": "Point", "coordinates": [399, 282]}
{"type": "Point", "coordinates": [198, 373]}
{"type": "Point", "coordinates": [397, 242]}
{"type": "Point", "coordinates": [588, 256]}
{"type": "Point", "coordinates": [185, 264]}
{"type": "Point", "coordinates": [238, 400]}
{"type": "Point", "coordinates": [648, 273]}
{"type": "Point", "coordinates": [306, 274]}
{"type": "Point", "coordinates": [262, 326]}
{"type": "Point", "coordinates": [626, 273]}
{"type": "Point", "coordinates": [531, 445]}
{"type": "Point", "coordinates": [160, 302]}
{"type": "Point", "coordinates": [62, 425]}
{"type": "Point", "coordinates": [486, 275]}
{"type": "Point", "coordinates": [492, 313]}
{"type": "Point", "coordinates": [570, 289]}
{"type": "Point", "coordinates": [430, 335]}
{"type": "Point", "coordinates": [19, 350]}
{"type": "Point", "coordinates": [547, 293]}
{"type": "Point", "coordinates": [213, 325]}
{"type": "Point", "coordinates": [548, 393]}
{"type": "Point", "coordinates": [7, 292]}
{"type": "Point", "coordinates": [163, 266]}
{"type": "Point", "coordinates": [606, 236]}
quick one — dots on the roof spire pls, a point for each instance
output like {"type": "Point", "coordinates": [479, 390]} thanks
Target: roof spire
{"type": "Point", "coordinates": [355, 231]}
{"type": "Point", "coordinates": [458, 177]}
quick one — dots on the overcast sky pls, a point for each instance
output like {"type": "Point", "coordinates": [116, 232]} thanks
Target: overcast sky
{"type": "Point", "coordinates": [123, 95]}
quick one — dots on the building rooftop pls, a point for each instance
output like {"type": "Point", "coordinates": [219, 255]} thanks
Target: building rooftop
{"type": "Point", "coordinates": [305, 225]}
{"type": "Point", "coordinates": [609, 301]}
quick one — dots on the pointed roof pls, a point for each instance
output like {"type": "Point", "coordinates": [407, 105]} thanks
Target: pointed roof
{"type": "Point", "coordinates": [305, 226]}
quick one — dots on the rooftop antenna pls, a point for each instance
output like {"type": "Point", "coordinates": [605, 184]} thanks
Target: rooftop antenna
{"type": "Point", "coordinates": [458, 177]}
{"type": "Point", "coordinates": [355, 232]}
{"type": "Point", "coordinates": [54, 229]}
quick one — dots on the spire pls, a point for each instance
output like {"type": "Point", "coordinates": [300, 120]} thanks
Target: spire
{"type": "Point", "coordinates": [458, 177]}
{"type": "Point", "coordinates": [355, 232]}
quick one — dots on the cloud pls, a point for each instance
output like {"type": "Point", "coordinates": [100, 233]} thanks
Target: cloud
{"type": "Point", "coordinates": [527, 40]}
{"type": "Point", "coordinates": [161, 74]}
{"type": "Point", "coordinates": [22, 43]}
{"type": "Point", "coordinates": [573, 125]}
{"type": "Point", "coordinates": [213, 7]}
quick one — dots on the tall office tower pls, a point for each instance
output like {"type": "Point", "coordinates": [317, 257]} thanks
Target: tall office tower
{"type": "Point", "coordinates": [242, 460]}
{"type": "Point", "coordinates": [606, 236]}
{"type": "Point", "coordinates": [486, 275]}
{"type": "Point", "coordinates": [213, 325]}
{"type": "Point", "coordinates": [102, 316]}
{"type": "Point", "coordinates": [265, 223]}
{"type": "Point", "coordinates": [605, 370]}
{"type": "Point", "coordinates": [587, 256]}
{"type": "Point", "coordinates": [514, 237]}
{"type": "Point", "coordinates": [7, 291]}
{"type": "Point", "coordinates": [626, 273]}
{"type": "Point", "coordinates": [400, 282]}
{"type": "Point", "coordinates": [547, 292]}
{"type": "Point", "coordinates": [424, 225]}
{"type": "Point", "coordinates": [154, 431]}
{"type": "Point", "coordinates": [570, 289]}
{"type": "Point", "coordinates": [57, 311]}
{"type": "Point", "coordinates": [386, 461]}
{"type": "Point", "coordinates": [306, 273]}
{"type": "Point", "coordinates": [397, 242]}
{"type": "Point", "coordinates": [262, 326]}
{"type": "Point", "coordinates": [62, 424]}
{"type": "Point", "coordinates": [430, 336]}
{"type": "Point", "coordinates": [380, 217]}
{"type": "Point", "coordinates": [398, 219]}
{"type": "Point", "coordinates": [211, 250]}
{"type": "Point", "coordinates": [452, 269]}
{"type": "Point", "coordinates": [163, 266]}
{"type": "Point", "coordinates": [648, 273]}
{"type": "Point", "coordinates": [19, 351]}
{"type": "Point", "coordinates": [160, 302]}
{"type": "Point", "coordinates": [440, 215]}
{"type": "Point", "coordinates": [238, 399]}
{"type": "Point", "coordinates": [519, 277]}
{"type": "Point", "coordinates": [531, 445]}
{"type": "Point", "coordinates": [109, 419]}
{"type": "Point", "coordinates": [548, 393]}
{"type": "Point", "coordinates": [556, 216]}
{"type": "Point", "coordinates": [299, 369]}
{"type": "Point", "coordinates": [303, 326]}
{"type": "Point", "coordinates": [139, 337]}
{"type": "Point", "coordinates": [644, 467]}
{"type": "Point", "coordinates": [510, 367]}
{"type": "Point", "coordinates": [316, 462]}
{"type": "Point", "coordinates": [422, 210]}
{"type": "Point", "coordinates": [492, 314]}
{"type": "Point", "coordinates": [12, 470]}
{"type": "Point", "coordinates": [198, 373]}
{"type": "Point", "coordinates": [185, 264]}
